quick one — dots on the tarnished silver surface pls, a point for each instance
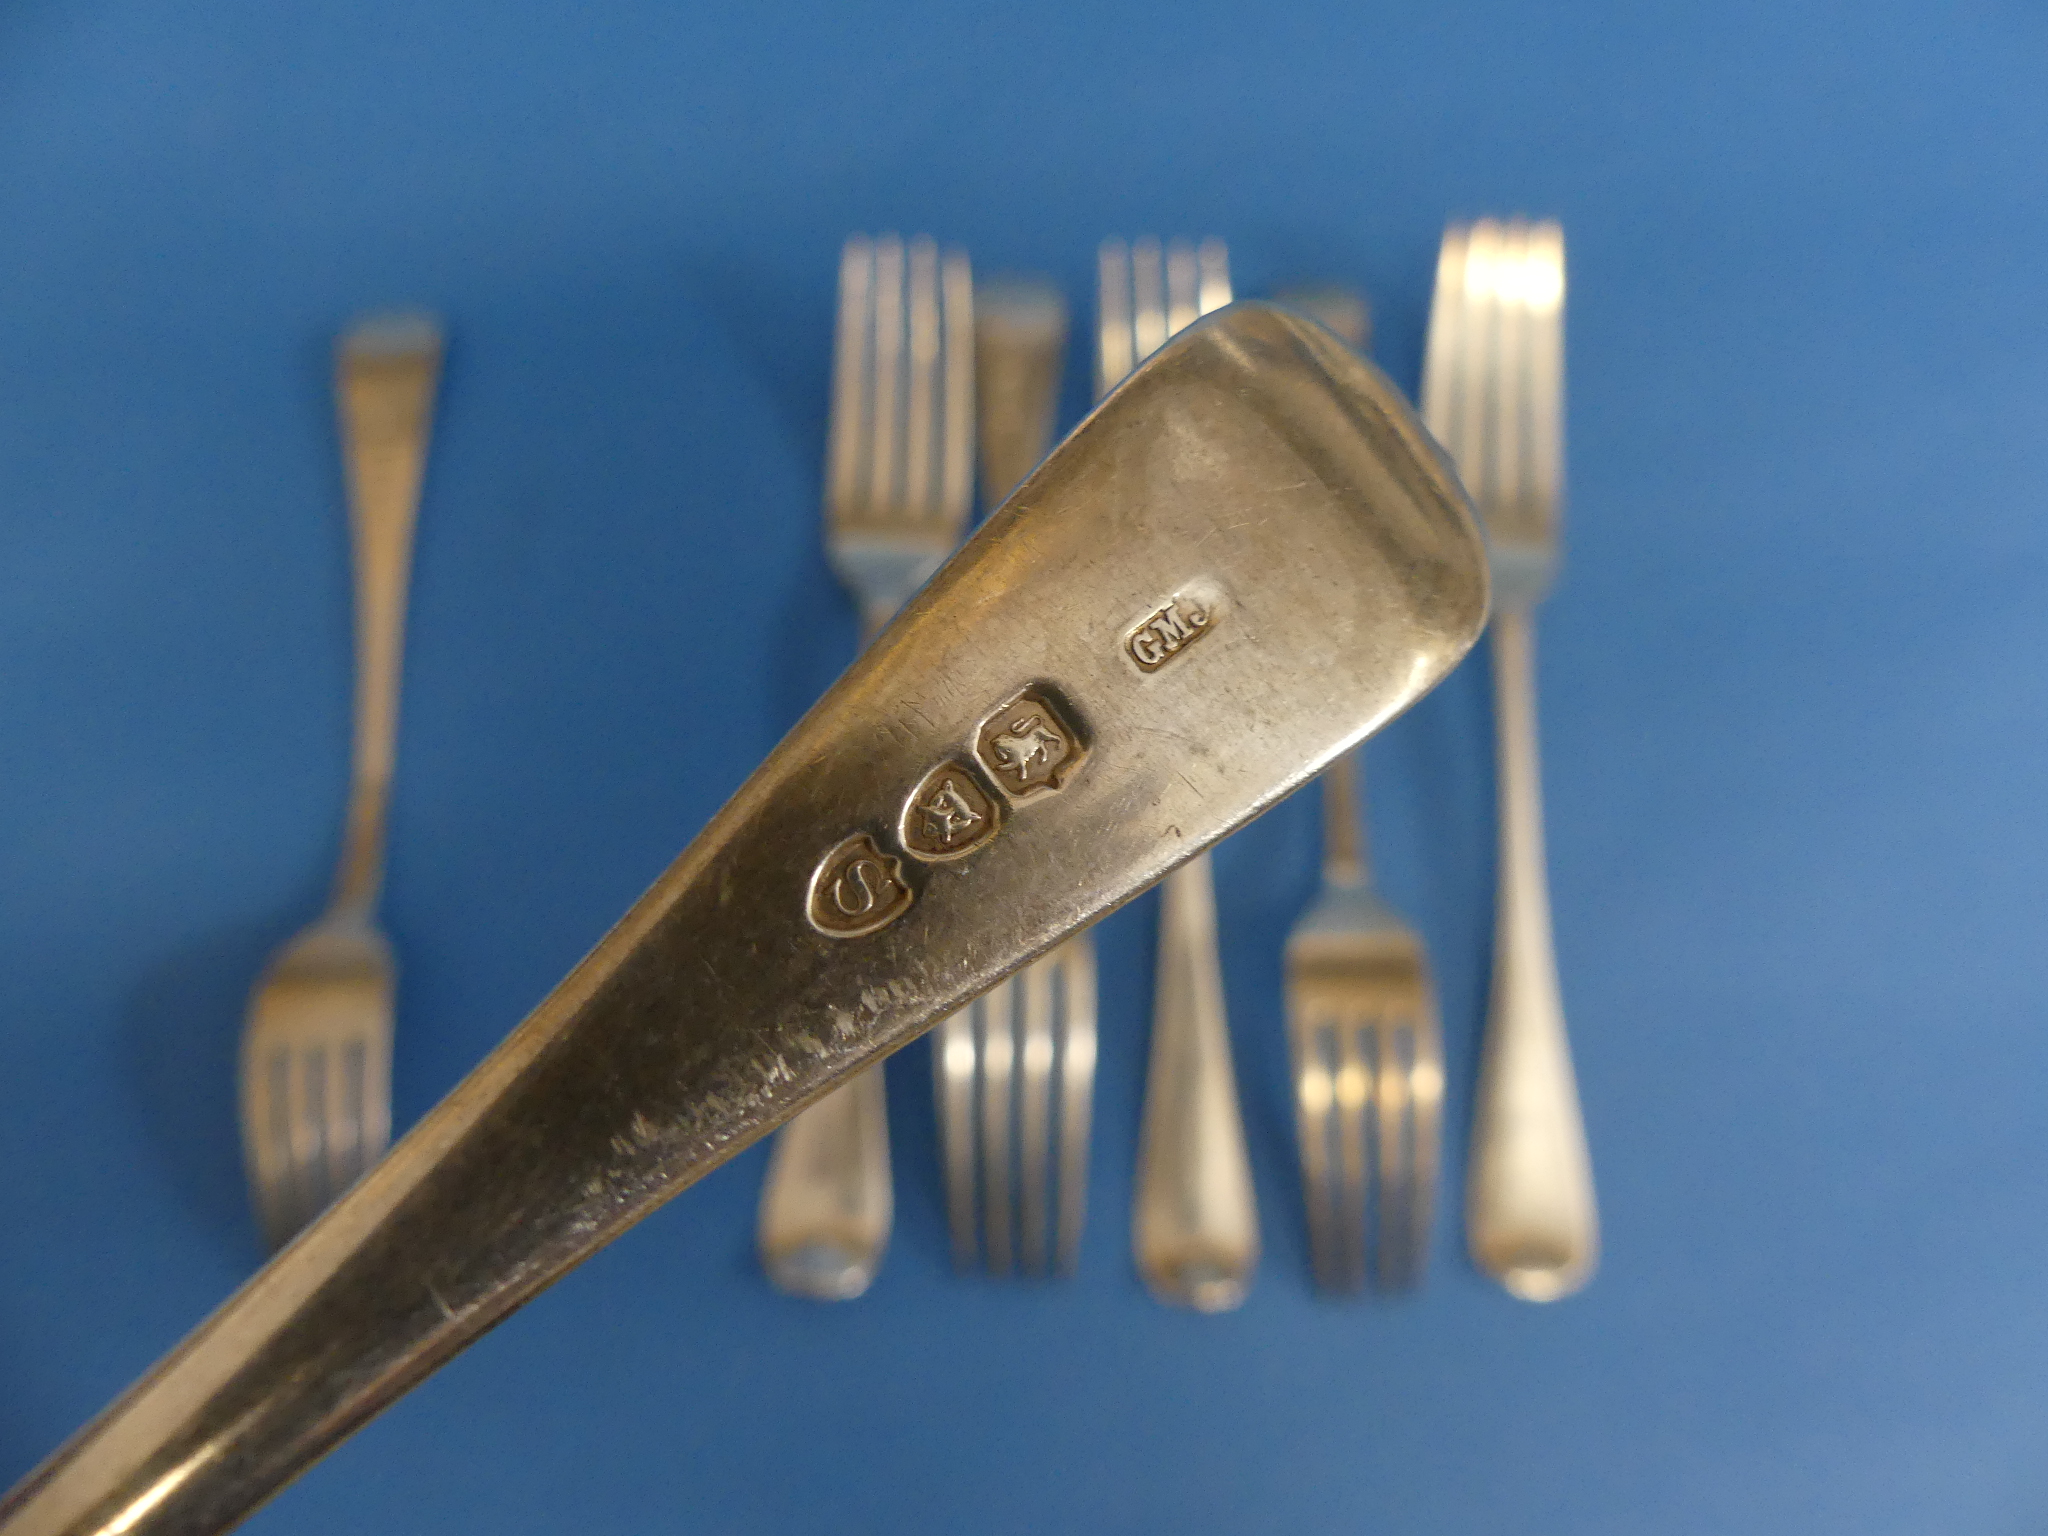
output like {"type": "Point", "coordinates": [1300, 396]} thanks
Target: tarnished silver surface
{"type": "Point", "coordinates": [1253, 458]}
{"type": "Point", "coordinates": [899, 476]}
{"type": "Point", "coordinates": [1362, 1022]}
{"type": "Point", "coordinates": [1195, 1223]}
{"type": "Point", "coordinates": [1493, 392]}
{"type": "Point", "coordinates": [316, 1052]}
{"type": "Point", "coordinates": [1014, 1073]}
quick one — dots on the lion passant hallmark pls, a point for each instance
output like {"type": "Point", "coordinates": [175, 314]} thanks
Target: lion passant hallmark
{"type": "Point", "coordinates": [1028, 746]}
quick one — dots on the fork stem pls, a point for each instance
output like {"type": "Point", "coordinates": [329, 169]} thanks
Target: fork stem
{"type": "Point", "coordinates": [1196, 1229]}
{"type": "Point", "coordinates": [386, 408]}
{"type": "Point", "coordinates": [1531, 1219]}
{"type": "Point", "coordinates": [1345, 859]}
{"type": "Point", "coordinates": [828, 1204]}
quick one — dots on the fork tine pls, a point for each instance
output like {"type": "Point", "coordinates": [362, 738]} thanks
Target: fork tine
{"type": "Point", "coordinates": [953, 1058]}
{"type": "Point", "coordinates": [351, 1088]}
{"type": "Point", "coordinates": [1444, 370]}
{"type": "Point", "coordinates": [1075, 998]}
{"type": "Point", "coordinates": [884, 382]}
{"type": "Point", "coordinates": [1034, 1112]}
{"type": "Point", "coordinates": [276, 1170]}
{"type": "Point", "coordinates": [853, 337]}
{"type": "Point", "coordinates": [1113, 339]}
{"type": "Point", "coordinates": [998, 1052]}
{"type": "Point", "coordinates": [1353, 1185]}
{"type": "Point", "coordinates": [1148, 298]}
{"type": "Point", "coordinates": [1182, 287]}
{"type": "Point", "coordinates": [956, 460]}
{"type": "Point", "coordinates": [1426, 1097]}
{"type": "Point", "coordinates": [1543, 297]}
{"type": "Point", "coordinates": [1213, 259]}
{"type": "Point", "coordinates": [920, 462]}
{"type": "Point", "coordinates": [1314, 1097]}
{"type": "Point", "coordinates": [1394, 1121]}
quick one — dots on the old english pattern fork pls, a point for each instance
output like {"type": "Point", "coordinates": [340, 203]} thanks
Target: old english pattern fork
{"type": "Point", "coordinates": [1362, 1022]}
{"type": "Point", "coordinates": [1493, 395]}
{"type": "Point", "coordinates": [899, 474]}
{"type": "Point", "coordinates": [1015, 1071]}
{"type": "Point", "coordinates": [1195, 1231]}
{"type": "Point", "coordinates": [316, 1052]}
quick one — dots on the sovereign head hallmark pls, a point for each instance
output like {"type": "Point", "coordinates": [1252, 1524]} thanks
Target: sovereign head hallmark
{"type": "Point", "coordinates": [947, 815]}
{"type": "Point", "coordinates": [1029, 746]}
{"type": "Point", "coordinates": [857, 889]}
{"type": "Point", "coordinates": [1170, 630]}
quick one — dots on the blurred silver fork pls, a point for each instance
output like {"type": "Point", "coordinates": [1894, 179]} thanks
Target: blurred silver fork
{"type": "Point", "coordinates": [1015, 1071]}
{"type": "Point", "coordinates": [899, 473]}
{"type": "Point", "coordinates": [1195, 1229]}
{"type": "Point", "coordinates": [1362, 1023]}
{"type": "Point", "coordinates": [316, 1051]}
{"type": "Point", "coordinates": [1493, 387]}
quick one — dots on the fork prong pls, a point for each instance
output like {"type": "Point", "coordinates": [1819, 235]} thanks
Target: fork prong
{"type": "Point", "coordinates": [998, 1052]}
{"type": "Point", "coordinates": [953, 1054]}
{"type": "Point", "coordinates": [853, 339]}
{"type": "Point", "coordinates": [1426, 1097]}
{"type": "Point", "coordinates": [1075, 999]}
{"type": "Point", "coordinates": [1213, 259]}
{"type": "Point", "coordinates": [1445, 368]}
{"type": "Point", "coordinates": [1314, 1098]}
{"type": "Point", "coordinates": [1182, 287]}
{"type": "Point", "coordinates": [1148, 298]}
{"type": "Point", "coordinates": [921, 393]}
{"type": "Point", "coordinates": [885, 381]}
{"type": "Point", "coordinates": [1113, 352]}
{"type": "Point", "coordinates": [1543, 298]}
{"type": "Point", "coordinates": [956, 460]}
{"type": "Point", "coordinates": [1394, 1122]}
{"type": "Point", "coordinates": [1352, 1093]}
{"type": "Point", "coordinates": [1034, 1099]}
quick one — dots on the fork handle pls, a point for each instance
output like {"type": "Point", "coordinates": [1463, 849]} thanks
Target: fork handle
{"type": "Point", "coordinates": [828, 1203]}
{"type": "Point", "coordinates": [1345, 861]}
{"type": "Point", "coordinates": [1196, 1228]}
{"type": "Point", "coordinates": [1531, 1220]}
{"type": "Point", "coordinates": [386, 403]}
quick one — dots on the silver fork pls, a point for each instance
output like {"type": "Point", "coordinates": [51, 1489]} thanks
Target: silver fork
{"type": "Point", "coordinates": [1362, 1024]}
{"type": "Point", "coordinates": [1195, 1229]}
{"type": "Point", "coordinates": [898, 477]}
{"type": "Point", "coordinates": [1368, 1067]}
{"type": "Point", "coordinates": [1493, 395]}
{"type": "Point", "coordinates": [316, 1051]}
{"type": "Point", "coordinates": [1015, 1071]}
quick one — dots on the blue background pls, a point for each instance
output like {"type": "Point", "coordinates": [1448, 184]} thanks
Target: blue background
{"type": "Point", "coordinates": [1792, 688]}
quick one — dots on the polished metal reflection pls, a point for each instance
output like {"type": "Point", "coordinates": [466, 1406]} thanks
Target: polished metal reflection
{"type": "Point", "coordinates": [1254, 459]}
{"type": "Point", "coordinates": [1493, 393]}
{"type": "Point", "coordinates": [1195, 1227]}
{"type": "Point", "coordinates": [316, 1051]}
{"type": "Point", "coordinates": [899, 477]}
{"type": "Point", "coordinates": [1014, 1073]}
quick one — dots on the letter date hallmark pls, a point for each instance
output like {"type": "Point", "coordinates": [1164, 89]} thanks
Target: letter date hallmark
{"type": "Point", "coordinates": [1028, 746]}
{"type": "Point", "coordinates": [856, 890]}
{"type": "Point", "coordinates": [947, 815]}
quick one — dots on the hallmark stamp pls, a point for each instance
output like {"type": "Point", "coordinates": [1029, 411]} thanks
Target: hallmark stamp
{"type": "Point", "coordinates": [857, 889]}
{"type": "Point", "coordinates": [1171, 630]}
{"type": "Point", "coordinates": [1028, 746]}
{"type": "Point", "coordinates": [948, 815]}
